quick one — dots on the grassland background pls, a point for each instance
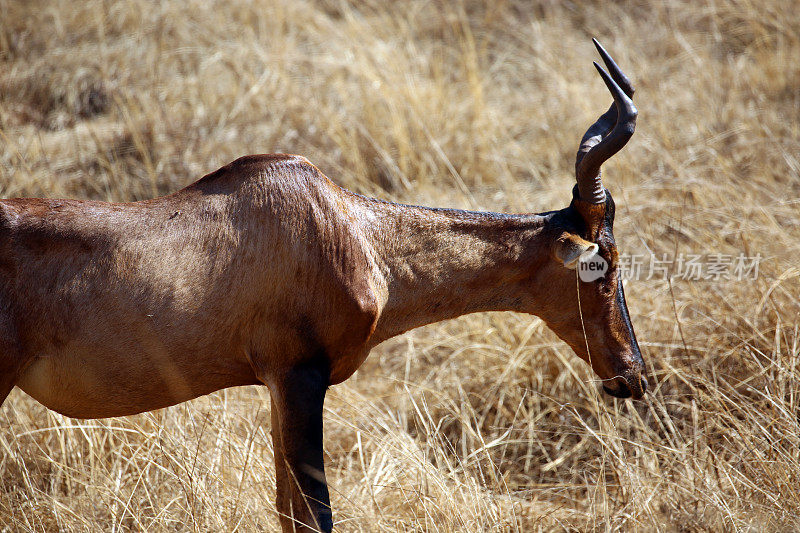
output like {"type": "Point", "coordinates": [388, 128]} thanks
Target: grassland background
{"type": "Point", "coordinates": [488, 422]}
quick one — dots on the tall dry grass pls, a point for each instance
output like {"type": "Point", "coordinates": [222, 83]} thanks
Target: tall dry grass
{"type": "Point", "coordinates": [488, 422]}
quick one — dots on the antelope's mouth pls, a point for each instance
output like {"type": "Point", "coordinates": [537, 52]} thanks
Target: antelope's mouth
{"type": "Point", "coordinates": [620, 387]}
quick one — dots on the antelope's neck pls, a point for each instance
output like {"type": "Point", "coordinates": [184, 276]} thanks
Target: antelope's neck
{"type": "Point", "coordinates": [442, 263]}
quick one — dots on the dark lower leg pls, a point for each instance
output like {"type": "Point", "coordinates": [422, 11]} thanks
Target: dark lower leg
{"type": "Point", "coordinates": [9, 373]}
{"type": "Point", "coordinates": [5, 388]}
{"type": "Point", "coordinates": [300, 400]}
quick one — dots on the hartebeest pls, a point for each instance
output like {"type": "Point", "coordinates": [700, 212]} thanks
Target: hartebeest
{"type": "Point", "coordinates": [266, 272]}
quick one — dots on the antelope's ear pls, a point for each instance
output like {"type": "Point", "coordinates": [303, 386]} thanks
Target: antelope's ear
{"type": "Point", "coordinates": [570, 249]}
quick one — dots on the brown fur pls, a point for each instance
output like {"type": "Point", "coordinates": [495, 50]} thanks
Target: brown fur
{"type": "Point", "coordinates": [266, 272]}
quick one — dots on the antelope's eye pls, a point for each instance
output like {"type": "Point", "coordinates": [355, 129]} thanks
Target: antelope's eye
{"type": "Point", "coordinates": [607, 286]}
{"type": "Point", "coordinates": [606, 283]}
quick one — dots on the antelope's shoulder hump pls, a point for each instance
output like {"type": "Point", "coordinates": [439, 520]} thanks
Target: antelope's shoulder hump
{"type": "Point", "coordinates": [250, 168]}
{"type": "Point", "coordinates": [249, 164]}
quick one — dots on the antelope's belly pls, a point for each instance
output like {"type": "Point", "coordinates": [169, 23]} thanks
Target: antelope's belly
{"type": "Point", "coordinates": [82, 386]}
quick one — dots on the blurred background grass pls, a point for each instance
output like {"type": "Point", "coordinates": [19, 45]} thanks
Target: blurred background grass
{"type": "Point", "coordinates": [488, 422]}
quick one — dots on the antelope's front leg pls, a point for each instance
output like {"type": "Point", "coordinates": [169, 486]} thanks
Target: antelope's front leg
{"type": "Point", "coordinates": [6, 384]}
{"type": "Point", "coordinates": [302, 492]}
{"type": "Point", "coordinates": [10, 365]}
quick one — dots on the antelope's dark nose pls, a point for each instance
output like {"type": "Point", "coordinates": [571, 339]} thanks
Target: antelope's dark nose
{"type": "Point", "coordinates": [627, 387]}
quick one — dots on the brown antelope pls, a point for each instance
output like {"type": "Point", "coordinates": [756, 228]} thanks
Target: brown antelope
{"type": "Point", "coordinates": [266, 272]}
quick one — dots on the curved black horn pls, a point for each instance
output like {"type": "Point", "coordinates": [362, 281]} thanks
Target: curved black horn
{"type": "Point", "coordinates": [609, 134]}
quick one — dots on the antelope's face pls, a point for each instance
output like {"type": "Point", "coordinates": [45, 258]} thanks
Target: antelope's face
{"type": "Point", "coordinates": [586, 305]}
{"type": "Point", "coordinates": [588, 311]}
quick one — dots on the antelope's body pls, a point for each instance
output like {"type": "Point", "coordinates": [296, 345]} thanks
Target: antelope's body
{"type": "Point", "coordinates": [123, 308]}
{"type": "Point", "coordinates": [266, 272]}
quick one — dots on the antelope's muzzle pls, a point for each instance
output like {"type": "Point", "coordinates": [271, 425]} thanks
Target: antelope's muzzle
{"type": "Point", "coordinates": [632, 386]}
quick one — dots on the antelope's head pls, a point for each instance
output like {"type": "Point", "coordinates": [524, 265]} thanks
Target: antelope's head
{"type": "Point", "coordinates": [586, 304]}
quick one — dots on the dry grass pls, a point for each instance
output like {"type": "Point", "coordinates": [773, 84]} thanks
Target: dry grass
{"type": "Point", "coordinates": [486, 423]}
